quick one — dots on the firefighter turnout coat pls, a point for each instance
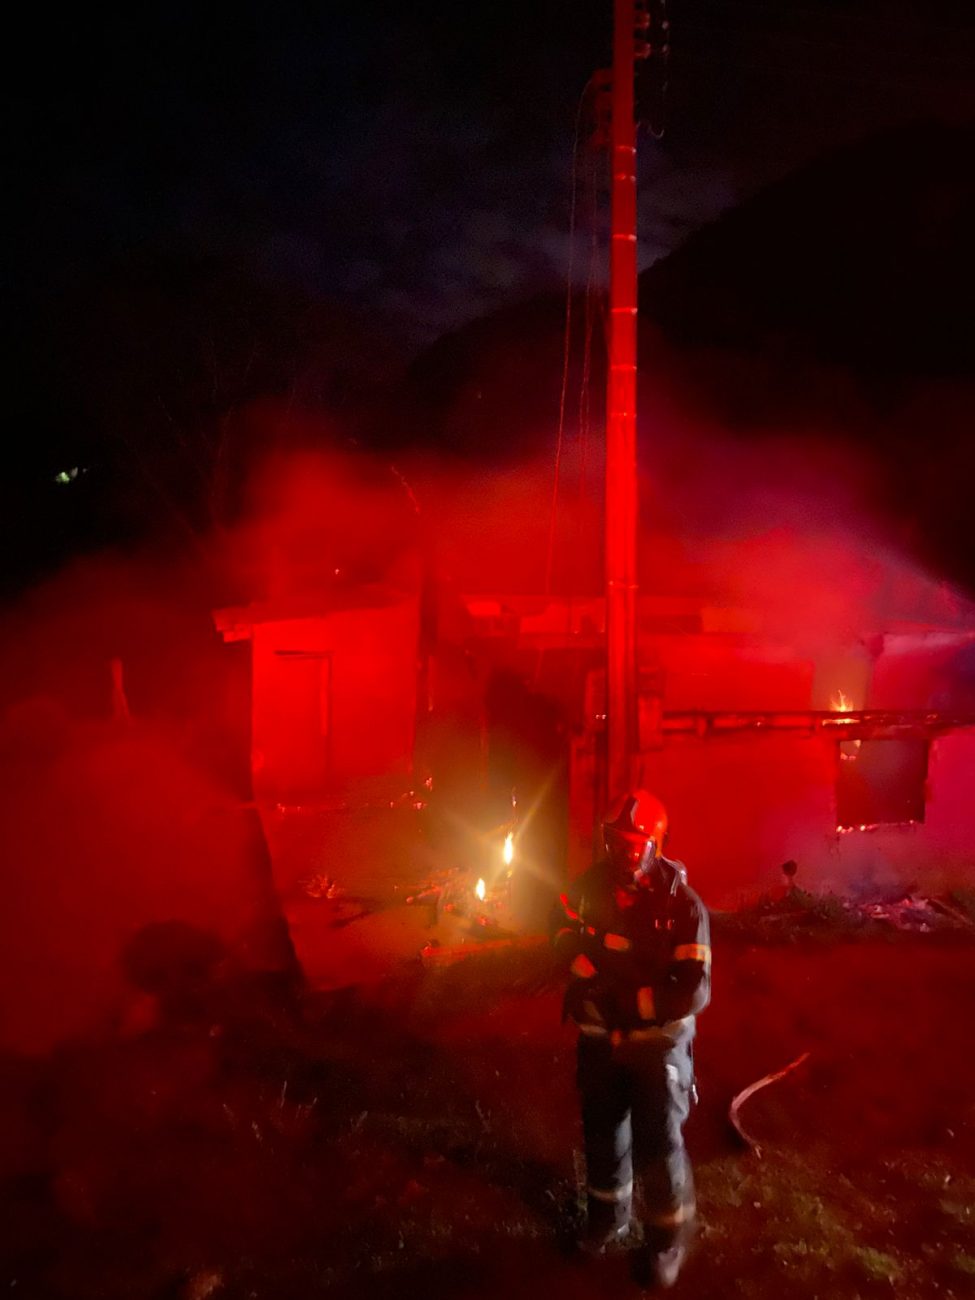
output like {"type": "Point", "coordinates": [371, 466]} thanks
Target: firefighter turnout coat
{"type": "Point", "coordinates": [639, 974]}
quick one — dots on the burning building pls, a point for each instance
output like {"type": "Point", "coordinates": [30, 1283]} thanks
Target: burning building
{"type": "Point", "coordinates": [850, 753]}
{"type": "Point", "coordinates": [805, 685]}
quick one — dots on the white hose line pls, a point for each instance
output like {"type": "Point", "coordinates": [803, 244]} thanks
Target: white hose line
{"type": "Point", "coordinates": [742, 1097]}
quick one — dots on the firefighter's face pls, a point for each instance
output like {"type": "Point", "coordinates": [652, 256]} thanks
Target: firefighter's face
{"type": "Point", "coordinates": [630, 856]}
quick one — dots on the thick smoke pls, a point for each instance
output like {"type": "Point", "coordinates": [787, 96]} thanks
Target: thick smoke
{"type": "Point", "coordinates": [124, 732]}
{"type": "Point", "coordinates": [787, 529]}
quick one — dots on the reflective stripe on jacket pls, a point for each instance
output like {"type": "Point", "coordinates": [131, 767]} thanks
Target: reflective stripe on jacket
{"type": "Point", "coordinates": [640, 959]}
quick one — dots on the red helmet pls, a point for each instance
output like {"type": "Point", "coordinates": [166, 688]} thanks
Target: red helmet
{"type": "Point", "coordinates": [634, 831]}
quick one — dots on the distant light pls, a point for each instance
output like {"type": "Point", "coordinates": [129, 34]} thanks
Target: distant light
{"type": "Point", "coordinates": [69, 475]}
{"type": "Point", "coordinates": [508, 852]}
{"type": "Point", "coordinates": [480, 889]}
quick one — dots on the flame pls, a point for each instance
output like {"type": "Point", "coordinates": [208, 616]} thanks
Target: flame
{"type": "Point", "coordinates": [841, 703]}
{"type": "Point", "coordinates": [508, 852]}
{"type": "Point", "coordinates": [480, 889]}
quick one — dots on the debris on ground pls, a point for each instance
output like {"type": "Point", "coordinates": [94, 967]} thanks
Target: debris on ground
{"type": "Point", "coordinates": [203, 1285]}
{"type": "Point", "coordinates": [921, 914]}
{"type": "Point", "coordinates": [788, 913]}
{"type": "Point", "coordinates": [479, 906]}
{"type": "Point", "coordinates": [435, 954]}
{"type": "Point", "coordinates": [321, 885]}
{"type": "Point", "coordinates": [447, 890]}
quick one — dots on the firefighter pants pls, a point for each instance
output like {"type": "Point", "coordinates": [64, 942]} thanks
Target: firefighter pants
{"type": "Point", "coordinates": [636, 1097]}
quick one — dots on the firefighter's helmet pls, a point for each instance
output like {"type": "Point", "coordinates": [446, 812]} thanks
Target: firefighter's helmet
{"type": "Point", "coordinates": [634, 831]}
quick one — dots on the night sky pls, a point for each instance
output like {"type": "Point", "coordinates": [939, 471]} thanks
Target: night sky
{"type": "Point", "coordinates": [216, 205]}
{"type": "Point", "coordinates": [414, 161]}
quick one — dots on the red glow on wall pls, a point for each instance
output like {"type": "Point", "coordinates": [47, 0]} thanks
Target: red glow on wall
{"type": "Point", "coordinates": [334, 700]}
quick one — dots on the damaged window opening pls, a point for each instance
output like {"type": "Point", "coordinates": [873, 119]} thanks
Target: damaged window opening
{"type": "Point", "coordinates": [880, 782]}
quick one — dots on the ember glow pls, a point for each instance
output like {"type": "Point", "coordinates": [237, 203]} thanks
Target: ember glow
{"type": "Point", "coordinates": [877, 826]}
{"type": "Point", "coordinates": [508, 852]}
{"type": "Point", "coordinates": [480, 889]}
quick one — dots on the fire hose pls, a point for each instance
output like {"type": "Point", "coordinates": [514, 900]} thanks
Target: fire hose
{"type": "Point", "coordinates": [734, 1114]}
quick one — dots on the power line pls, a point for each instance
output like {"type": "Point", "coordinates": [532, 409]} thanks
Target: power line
{"type": "Point", "coordinates": [821, 74]}
{"type": "Point", "coordinates": [956, 60]}
{"type": "Point", "coordinates": [566, 343]}
{"type": "Point", "coordinates": [780, 10]}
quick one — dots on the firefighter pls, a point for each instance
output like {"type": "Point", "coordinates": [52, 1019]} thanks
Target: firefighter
{"type": "Point", "coordinates": [636, 940]}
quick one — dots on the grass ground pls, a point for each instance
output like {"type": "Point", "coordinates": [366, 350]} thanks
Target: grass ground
{"type": "Point", "coordinates": [418, 1138]}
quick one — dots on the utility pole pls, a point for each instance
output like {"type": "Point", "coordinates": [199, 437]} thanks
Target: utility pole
{"type": "Point", "coordinates": [621, 476]}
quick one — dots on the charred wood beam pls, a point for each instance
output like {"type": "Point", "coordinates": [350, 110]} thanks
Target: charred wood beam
{"type": "Point", "coordinates": [861, 725]}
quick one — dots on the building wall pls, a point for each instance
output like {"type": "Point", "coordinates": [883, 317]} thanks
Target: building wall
{"type": "Point", "coordinates": [739, 806]}
{"type": "Point", "coordinates": [334, 701]}
{"type": "Point", "coordinates": [742, 805]}
{"type": "Point", "coordinates": [715, 672]}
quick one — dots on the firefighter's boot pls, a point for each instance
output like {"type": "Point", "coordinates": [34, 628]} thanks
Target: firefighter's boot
{"type": "Point", "coordinates": [656, 1265]}
{"type": "Point", "coordinates": [604, 1238]}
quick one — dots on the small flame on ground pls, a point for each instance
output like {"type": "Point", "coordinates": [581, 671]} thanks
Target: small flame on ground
{"type": "Point", "coordinates": [841, 703]}
{"type": "Point", "coordinates": [509, 849]}
{"type": "Point", "coordinates": [480, 889]}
